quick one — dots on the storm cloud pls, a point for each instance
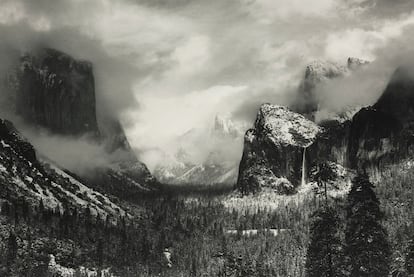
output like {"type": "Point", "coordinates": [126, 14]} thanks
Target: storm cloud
{"type": "Point", "coordinates": [166, 67]}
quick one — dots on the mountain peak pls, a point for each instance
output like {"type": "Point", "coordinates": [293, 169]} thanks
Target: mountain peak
{"type": "Point", "coordinates": [224, 126]}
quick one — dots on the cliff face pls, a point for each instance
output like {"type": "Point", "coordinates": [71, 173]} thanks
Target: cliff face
{"type": "Point", "coordinates": [372, 138]}
{"type": "Point", "coordinates": [375, 136]}
{"type": "Point", "coordinates": [57, 92]}
{"type": "Point", "coordinates": [52, 90]}
{"type": "Point", "coordinates": [331, 144]}
{"type": "Point", "coordinates": [273, 153]}
{"type": "Point", "coordinates": [384, 133]}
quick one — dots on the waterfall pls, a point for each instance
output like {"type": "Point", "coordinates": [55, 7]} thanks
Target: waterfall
{"type": "Point", "coordinates": [303, 181]}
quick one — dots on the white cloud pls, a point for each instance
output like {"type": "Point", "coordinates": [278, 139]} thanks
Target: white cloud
{"type": "Point", "coordinates": [192, 55]}
{"type": "Point", "coordinates": [11, 12]}
{"type": "Point", "coordinates": [206, 57]}
{"type": "Point", "coordinates": [162, 119]}
{"type": "Point", "coordinates": [364, 42]}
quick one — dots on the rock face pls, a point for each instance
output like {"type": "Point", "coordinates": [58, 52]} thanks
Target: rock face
{"type": "Point", "coordinates": [331, 144]}
{"type": "Point", "coordinates": [384, 133]}
{"type": "Point", "coordinates": [274, 150]}
{"type": "Point", "coordinates": [57, 92]}
{"type": "Point", "coordinates": [368, 140]}
{"type": "Point", "coordinates": [53, 90]}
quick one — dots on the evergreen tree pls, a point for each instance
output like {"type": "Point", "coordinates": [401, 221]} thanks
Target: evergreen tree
{"type": "Point", "coordinates": [11, 251]}
{"type": "Point", "coordinates": [367, 244]}
{"type": "Point", "coordinates": [260, 265]}
{"type": "Point", "coordinates": [324, 256]}
{"type": "Point", "coordinates": [323, 175]}
{"type": "Point", "coordinates": [409, 259]}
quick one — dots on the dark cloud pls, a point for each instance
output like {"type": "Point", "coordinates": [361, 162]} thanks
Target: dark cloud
{"type": "Point", "coordinates": [175, 56]}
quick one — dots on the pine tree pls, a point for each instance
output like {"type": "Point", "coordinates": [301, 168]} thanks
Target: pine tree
{"type": "Point", "coordinates": [367, 246]}
{"type": "Point", "coordinates": [260, 265]}
{"type": "Point", "coordinates": [324, 255]}
{"type": "Point", "coordinates": [323, 175]}
{"type": "Point", "coordinates": [409, 259]}
{"type": "Point", "coordinates": [11, 251]}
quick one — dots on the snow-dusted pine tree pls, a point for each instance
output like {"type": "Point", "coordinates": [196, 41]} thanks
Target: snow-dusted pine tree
{"type": "Point", "coordinates": [367, 246]}
{"type": "Point", "coordinates": [324, 256]}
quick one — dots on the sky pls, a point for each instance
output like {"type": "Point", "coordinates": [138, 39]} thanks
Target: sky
{"type": "Point", "coordinates": [165, 67]}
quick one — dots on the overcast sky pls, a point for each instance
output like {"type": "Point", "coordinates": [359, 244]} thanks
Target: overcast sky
{"type": "Point", "coordinates": [166, 66]}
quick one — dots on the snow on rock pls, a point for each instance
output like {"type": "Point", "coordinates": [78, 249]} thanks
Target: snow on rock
{"type": "Point", "coordinates": [23, 175]}
{"type": "Point", "coordinates": [100, 203]}
{"type": "Point", "coordinates": [273, 150]}
{"type": "Point", "coordinates": [284, 127]}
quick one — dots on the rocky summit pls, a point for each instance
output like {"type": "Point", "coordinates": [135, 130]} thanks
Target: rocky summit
{"type": "Point", "coordinates": [274, 150]}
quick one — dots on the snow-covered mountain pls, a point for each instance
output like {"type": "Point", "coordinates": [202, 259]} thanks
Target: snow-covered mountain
{"type": "Point", "coordinates": [24, 176]}
{"type": "Point", "coordinates": [216, 165]}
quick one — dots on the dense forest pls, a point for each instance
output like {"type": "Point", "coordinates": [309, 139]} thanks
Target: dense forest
{"type": "Point", "coordinates": [189, 234]}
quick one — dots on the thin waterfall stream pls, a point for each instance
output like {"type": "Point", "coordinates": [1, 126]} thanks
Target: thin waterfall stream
{"type": "Point", "coordinates": [303, 180]}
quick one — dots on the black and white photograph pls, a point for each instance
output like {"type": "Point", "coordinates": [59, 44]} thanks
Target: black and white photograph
{"type": "Point", "coordinates": [206, 138]}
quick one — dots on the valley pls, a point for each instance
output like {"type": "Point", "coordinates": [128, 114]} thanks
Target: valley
{"type": "Point", "coordinates": [107, 215]}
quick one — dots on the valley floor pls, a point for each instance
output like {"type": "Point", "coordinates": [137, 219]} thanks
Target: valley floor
{"type": "Point", "coordinates": [188, 234]}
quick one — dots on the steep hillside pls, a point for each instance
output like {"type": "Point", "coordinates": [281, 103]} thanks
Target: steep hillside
{"type": "Point", "coordinates": [23, 176]}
